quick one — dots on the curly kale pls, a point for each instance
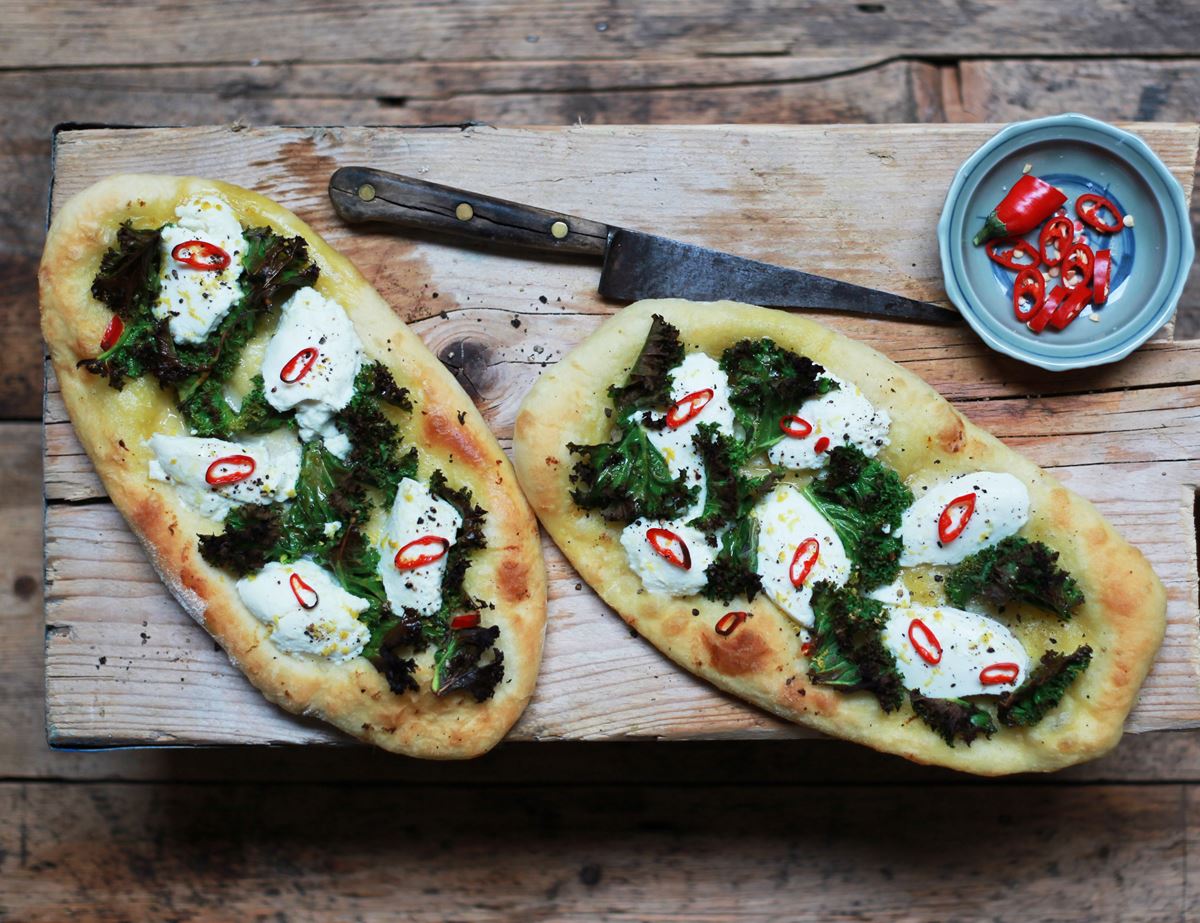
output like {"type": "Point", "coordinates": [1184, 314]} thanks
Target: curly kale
{"type": "Point", "coordinates": [275, 268]}
{"type": "Point", "coordinates": [730, 498]}
{"type": "Point", "coordinates": [1044, 688]}
{"type": "Point", "coordinates": [457, 665]}
{"type": "Point", "coordinates": [250, 537]}
{"type": "Point", "coordinates": [649, 382]}
{"type": "Point", "coordinates": [127, 283]}
{"type": "Point", "coordinates": [1015, 570]}
{"type": "Point", "coordinates": [374, 439]}
{"type": "Point", "coordinates": [766, 384]}
{"type": "Point", "coordinates": [628, 478]}
{"type": "Point", "coordinates": [474, 517]}
{"type": "Point", "coordinates": [847, 645]}
{"type": "Point", "coordinates": [209, 414]}
{"type": "Point", "coordinates": [733, 571]}
{"type": "Point", "coordinates": [386, 650]}
{"type": "Point", "coordinates": [863, 499]}
{"type": "Point", "coordinates": [953, 719]}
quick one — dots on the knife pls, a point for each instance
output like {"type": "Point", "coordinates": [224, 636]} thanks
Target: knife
{"type": "Point", "coordinates": [636, 265]}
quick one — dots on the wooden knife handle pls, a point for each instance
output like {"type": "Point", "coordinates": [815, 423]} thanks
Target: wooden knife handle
{"type": "Point", "coordinates": [362, 194]}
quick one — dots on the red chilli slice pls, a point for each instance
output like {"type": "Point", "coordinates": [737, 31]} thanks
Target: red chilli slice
{"type": "Point", "coordinates": [821, 445]}
{"type": "Point", "coordinates": [729, 621]}
{"type": "Point", "coordinates": [1101, 276]}
{"type": "Point", "coordinates": [112, 333]}
{"type": "Point", "coordinates": [688, 406]}
{"type": "Point", "coordinates": [955, 516]}
{"type": "Point", "coordinates": [1057, 234]}
{"type": "Point", "coordinates": [299, 365]}
{"type": "Point", "coordinates": [229, 469]}
{"type": "Point", "coordinates": [803, 561]}
{"type": "Point", "coordinates": [1029, 288]}
{"type": "Point", "coordinates": [999, 674]}
{"type": "Point", "coordinates": [466, 620]}
{"type": "Point", "coordinates": [1056, 297]}
{"type": "Point", "coordinates": [924, 642]}
{"type": "Point", "coordinates": [305, 595]}
{"type": "Point", "coordinates": [1071, 307]}
{"type": "Point", "coordinates": [1077, 265]}
{"type": "Point", "coordinates": [200, 254]}
{"type": "Point", "coordinates": [1088, 206]}
{"type": "Point", "coordinates": [413, 555]}
{"type": "Point", "coordinates": [1007, 257]}
{"type": "Point", "coordinates": [795, 427]}
{"type": "Point", "coordinates": [670, 546]}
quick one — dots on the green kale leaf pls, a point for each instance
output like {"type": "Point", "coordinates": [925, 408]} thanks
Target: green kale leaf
{"type": "Point", "coordinates": [275, 268]}
{"type": "Point", "coordinates": [766, 384]}
{"type": "Point", "coordinates": [250, 538]}
{"type": "Point", "coordinates": [847, 645]}
{"type": "Point", "coordinates": [863, 499]}
{"type": "Point", "coordinates": [208, 413]}
{"type": "Point", "coordinates": [649, 382]}
{"type": "Point", "coordinates": [953, 719]}
{"type": "Point", "coordinates": [733, 571]}
{"type": "Point", "coordinates": [1015, 570]}
{"type": "Point", "coordinates": [127, 283]}
{"type": "Point", "coordinates": [458, 664]}
{"type": "Point", "coordinates": [628, 478]}
{"type": "Point", "coordinates": [374, 439]}
{"type": "Point", "coordinates": [474, 517]}
{"type": "Point", "coordinates": [731, 493]}
{"type": "Point", "coordinates": [1044, 688]}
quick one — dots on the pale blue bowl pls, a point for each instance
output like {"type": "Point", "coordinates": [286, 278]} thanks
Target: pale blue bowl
{"type": "Point", "coordinates": [1150, 260]}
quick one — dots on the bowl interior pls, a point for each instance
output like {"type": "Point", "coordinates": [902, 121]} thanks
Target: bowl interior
{"type": "Point", "coordinates": [1078, 159]}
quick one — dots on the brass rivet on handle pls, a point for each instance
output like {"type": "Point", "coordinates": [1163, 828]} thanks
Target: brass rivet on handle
{"type": "Point", "coordinates": [366, 192]}
{"type": "Point", "coordinates": [559, 229]}
{"type": "Point", "coordinates": [464, 212]}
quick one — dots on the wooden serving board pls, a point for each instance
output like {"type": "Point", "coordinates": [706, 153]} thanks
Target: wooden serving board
{"type": "Point", "coordinates": [126, 666]}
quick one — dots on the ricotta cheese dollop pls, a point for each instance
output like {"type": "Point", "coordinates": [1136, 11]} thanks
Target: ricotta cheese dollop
{"type": "Point", "coordinates": [196, 300]}
{"type": "Point", "coordinates": [999, 506]}
{"type": "Point", "coordinates": [787, 525]}
{"type": "Point", "coordinates": [310, 365]}
{"type": "Point", "coordinates": [841, 417]}
{"type": "Point", "coordinates": [965, 653]}
{"type": "Point", "coordinates": [306, 610]}
{"type": "Point", "coordinates": [416, 514]}
{"type": "Point", "coordinates": [188, 463]}
{"type": "Point", "coordinates": [660, 573]}
{"type": "Point", "coordinates": [697, 373]}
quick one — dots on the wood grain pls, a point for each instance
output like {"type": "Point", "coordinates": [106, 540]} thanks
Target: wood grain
{"type": "Point", "coordinates": [270, 30]}
{"type": "Point", "coordinates": [653, 853]}
{"type": "Point", "coordinates": [497, 320]}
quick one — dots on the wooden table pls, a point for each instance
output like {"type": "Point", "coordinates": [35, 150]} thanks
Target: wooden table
{"type": "Point", "coordinates": [751, 830]}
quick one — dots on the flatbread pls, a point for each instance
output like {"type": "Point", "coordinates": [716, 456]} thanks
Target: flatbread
{"type": "Point", "coordinates": [1123, 618]}
{"type": "Point", "coordinates": [444, 424]}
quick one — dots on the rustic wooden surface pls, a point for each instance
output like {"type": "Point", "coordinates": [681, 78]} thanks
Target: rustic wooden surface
{"type": "Point", "coordinates": [126, 666]}
{"type": "Point", "coordinates": [164, 835]}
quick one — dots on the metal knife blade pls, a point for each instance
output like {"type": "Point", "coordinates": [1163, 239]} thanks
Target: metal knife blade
{"type": "Point", "coordinates": [639, 265]}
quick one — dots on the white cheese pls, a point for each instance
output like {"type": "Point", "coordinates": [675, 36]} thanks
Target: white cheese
{"type": "Point", "coordinates": [309, 320]}
{"type": "Point", "coordinates": [329, 629]}
{"type": "Point", "coordinates": [843, 417]}
{"type": "Point", "coordinates": [1001, 509]}
{"type": "Point", "coordinates": [786, 519]}
{"type": "Point", "coordinates": [658, 574]}
{"type": "Point", "coordinates": [196, 300]}
{"type": "Point", "coordinates": [696, 372]}
{"type": "Point", "coordinates": [969, 643]}
{"type": "Point", "coordinates": [185, 460]}
{"type": "Point", "coordinates": [415, 514]}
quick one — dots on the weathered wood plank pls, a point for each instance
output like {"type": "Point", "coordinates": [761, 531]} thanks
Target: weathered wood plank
{"type": "Point", "coordinates": [498, 320]}
{"type": "Point", "coordinates": [408, 31]}
{"type": "Point", "coordinates": [710, 853]}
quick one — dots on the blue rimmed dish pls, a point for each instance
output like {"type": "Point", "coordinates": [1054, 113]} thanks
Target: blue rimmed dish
{"type": "Point", "coordinates": [1150, 260]}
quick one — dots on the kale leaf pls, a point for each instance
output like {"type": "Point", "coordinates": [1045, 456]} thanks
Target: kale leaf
{"type": "Point", "coordinates": [474, 517]}
{"type": "Point", "coordinates": [953, 719]}
{"type": "Point", "coordinates": [250, 537]}
{"type": "Point", "coordinates": [374, 439]}
{"type": "Point", "coordinates": [863, 499]}
{"type": "Point", "coordinates": [628, 478]}
{"type": "Point", "coordinates": [731, 494]}
{"type": "Point", "coordinates": [847, 647]}
{"type": "Point", "coordinates": [127, 283]}
{"type": "Point", "coordinates": [649, 382]}
{"type": "Point", "coordinates": [386, 650]}
{"type": "Point", "coordinates": [1044, 688]}
{"type": "Point", "coordinates": [209, 414]}
{"type": "Point", "coordinates": [733, 571]}
{"type": "Point", "coordinates": [457, 665]}
{"type": "Point", "coordinates": [766, 384]}
{"type": "Point", "coordinates": [275, 268]}
{"type": "Point", "coordinates": [1017, 570]}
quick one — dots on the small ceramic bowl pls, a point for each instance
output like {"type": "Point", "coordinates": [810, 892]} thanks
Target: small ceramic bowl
{"type": "Point", "coordinates": [1150, 260]}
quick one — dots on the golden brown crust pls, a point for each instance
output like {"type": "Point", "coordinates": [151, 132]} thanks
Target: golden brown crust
{"type": "Point", "coordinates": [450, 434]}
{"type": "Point", "coordinates": [1123, 619]}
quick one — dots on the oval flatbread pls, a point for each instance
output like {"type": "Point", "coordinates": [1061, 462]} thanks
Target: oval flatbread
{"type": "Point", "coordinates": [1000, 687]}
{"type": "Point", "coordinates": [309, 644]}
